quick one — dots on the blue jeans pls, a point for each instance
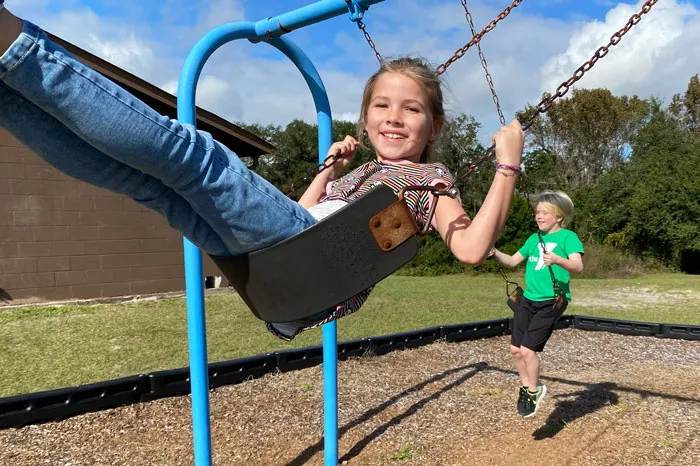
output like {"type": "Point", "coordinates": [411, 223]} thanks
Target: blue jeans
{"type": "Point", "coordinates": [91, 129]}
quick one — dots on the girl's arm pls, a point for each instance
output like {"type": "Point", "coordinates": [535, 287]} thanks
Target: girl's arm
{"type": "Point", "coordinates": [505, 259]}
{"type": "Point", "coordinates": [574, 264]}
{"type": "Point", "coordinates": [316, 189]}
{"type": "Point", "coordinates": [470, 242]}
{"type": "Point", "coordinates": [347, 148]}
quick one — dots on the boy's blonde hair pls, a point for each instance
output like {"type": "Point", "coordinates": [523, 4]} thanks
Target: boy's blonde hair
{"type": "Point", "coordinates": [422, 73]}
{"type": "Point", "coordinates": [557, 203]}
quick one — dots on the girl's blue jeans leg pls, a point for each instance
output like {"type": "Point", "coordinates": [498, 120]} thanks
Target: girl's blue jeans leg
{"type": "Point", "coordinates": [25, 121]}
{"type": "Point", "coordinates": [244, 210]}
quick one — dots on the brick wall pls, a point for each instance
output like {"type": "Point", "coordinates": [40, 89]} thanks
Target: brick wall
{"type": "Point", "coordinates": [63, 239]}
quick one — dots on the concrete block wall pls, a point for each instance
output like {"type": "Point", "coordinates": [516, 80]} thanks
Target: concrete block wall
{"type": "Point", "coordinates": [62, 239]}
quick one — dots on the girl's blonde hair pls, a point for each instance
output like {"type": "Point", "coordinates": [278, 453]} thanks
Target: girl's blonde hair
{"type": "Point", "coordinates": [422, 73]}
{"type": "Point", "coordinates": [557, 203]}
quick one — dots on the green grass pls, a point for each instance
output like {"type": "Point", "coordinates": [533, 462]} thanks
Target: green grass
{"type": "Point", "coordinates": [43, 348]}
{"type": "Point", "coordinates": [406, 453]}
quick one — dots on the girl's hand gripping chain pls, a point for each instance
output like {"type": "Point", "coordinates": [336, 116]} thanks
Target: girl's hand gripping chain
{"type": "Point", "coordinates": [347, 148]}
{"type": "Point", "coordinates": [509, 141]}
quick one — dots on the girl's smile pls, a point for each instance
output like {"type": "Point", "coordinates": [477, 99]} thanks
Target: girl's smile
{"type": "Point", "coordinates": [397, 121]}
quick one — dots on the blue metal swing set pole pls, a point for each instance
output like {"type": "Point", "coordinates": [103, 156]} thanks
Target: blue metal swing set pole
{"type": "Point", "coordinates": [270, 30]}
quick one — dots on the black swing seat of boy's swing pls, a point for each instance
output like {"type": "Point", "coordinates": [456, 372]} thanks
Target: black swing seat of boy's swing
{"type": "Point", "coordinates": [329, 262]}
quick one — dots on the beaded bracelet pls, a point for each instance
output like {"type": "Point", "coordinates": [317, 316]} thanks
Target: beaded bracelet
{"type": "Point", "coordinates": [513, 168]}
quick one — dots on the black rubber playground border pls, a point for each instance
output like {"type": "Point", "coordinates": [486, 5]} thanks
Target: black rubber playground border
{"type": "Point", "coordinates": [54, 405]}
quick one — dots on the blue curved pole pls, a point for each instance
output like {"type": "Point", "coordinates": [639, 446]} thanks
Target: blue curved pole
{"type": "Point", "coordinates": [194, 278]}
{"type": "Point", "coordinates": [330, 334]}
{"type": "Point", "coordinates": [267, 29]}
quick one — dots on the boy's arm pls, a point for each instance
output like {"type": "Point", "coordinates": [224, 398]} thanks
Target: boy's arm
{"type": "Point", "coordinates": [505, 259]}
{"type": "Point", "coordinates": [574, 264]}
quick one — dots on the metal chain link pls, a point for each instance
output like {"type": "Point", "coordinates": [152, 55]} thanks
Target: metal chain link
{"type": "Point", "coordinates": [484, 65]}
{"type": "Point", "coordinates": [489, 80]}
{"type": "Point", "coordinates": [459, 53]}
{"type": "Point", "coordinates": [369, 40]}
{"type": "Point", "coordinates": [327, 163]}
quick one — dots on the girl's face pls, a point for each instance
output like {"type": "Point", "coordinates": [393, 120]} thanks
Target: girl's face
{"type": "Point", "coordinates": [546, 222]}
{"type": "Point", "coordinates": [398, 121]}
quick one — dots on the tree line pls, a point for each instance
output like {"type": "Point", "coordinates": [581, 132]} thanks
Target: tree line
{"type": "Point", "coordinates": [631, 165]}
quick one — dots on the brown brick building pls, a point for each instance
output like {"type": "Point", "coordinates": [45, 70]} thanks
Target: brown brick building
{"type": "Point", "coordinates": [62, 239]}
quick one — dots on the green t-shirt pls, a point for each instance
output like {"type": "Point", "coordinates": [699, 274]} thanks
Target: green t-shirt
{"type": "Point", "coordinates": [537, 278]}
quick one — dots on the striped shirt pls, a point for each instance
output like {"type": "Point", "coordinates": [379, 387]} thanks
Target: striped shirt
{"type": "Point", "coordinates": [396, 175]}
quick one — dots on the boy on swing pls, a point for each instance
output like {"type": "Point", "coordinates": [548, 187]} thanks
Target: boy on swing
{"type": "Point", "coordinates": [555, 247]}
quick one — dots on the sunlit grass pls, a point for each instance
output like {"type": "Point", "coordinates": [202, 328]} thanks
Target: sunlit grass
{"type": "Point", "coordinates": [50, 347]}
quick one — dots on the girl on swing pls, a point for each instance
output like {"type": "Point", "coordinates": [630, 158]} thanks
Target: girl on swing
{"type": "Point", "coordinates": [89, 128]}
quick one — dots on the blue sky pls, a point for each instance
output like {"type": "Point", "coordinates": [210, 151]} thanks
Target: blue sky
{"type": "Point", "coordinates": [539, 45]}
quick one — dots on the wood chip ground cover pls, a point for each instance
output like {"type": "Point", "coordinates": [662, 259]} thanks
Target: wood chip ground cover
{"type": "Point", "coordinates": [613, 400]}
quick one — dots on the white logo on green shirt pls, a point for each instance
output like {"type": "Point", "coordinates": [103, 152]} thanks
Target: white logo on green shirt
{"type": "Point", "coordinates": [540, 262]}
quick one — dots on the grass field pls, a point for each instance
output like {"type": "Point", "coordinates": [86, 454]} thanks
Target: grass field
{"type": "Point", "coordinates": [43, 348]}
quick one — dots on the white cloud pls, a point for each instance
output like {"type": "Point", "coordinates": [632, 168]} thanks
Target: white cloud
{"type": "Point", "coordinates": [213, 91]}
{"type": "Point", "coordinates": [117, 43]}
{"type": "Point", "coordinates": [217, 12]}
{"type": "Point", "coordinates": [348, 116]}
{"type": "Point", "coordinates": [129, 53]}
{"type": "Point", "coordinates": [657, 56]}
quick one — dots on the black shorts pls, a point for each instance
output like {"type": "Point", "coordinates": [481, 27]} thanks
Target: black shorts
{"type": "Point", "coordinates": [533, 323]}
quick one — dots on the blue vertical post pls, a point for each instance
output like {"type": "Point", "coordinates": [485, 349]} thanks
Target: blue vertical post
{"type": "Point", "coordinates": [194, 278]}
{"type": "Point", "coordinates": [330, 340]}
{"type": "Point", "coordinates": [268, 29]}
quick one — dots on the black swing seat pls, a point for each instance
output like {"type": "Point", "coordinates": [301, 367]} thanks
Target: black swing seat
{"type": "Point", "coordinates": [327, 263]}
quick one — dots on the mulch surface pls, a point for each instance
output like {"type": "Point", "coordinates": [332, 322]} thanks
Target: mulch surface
{"type": "Point", "coordinates": [612, 400]}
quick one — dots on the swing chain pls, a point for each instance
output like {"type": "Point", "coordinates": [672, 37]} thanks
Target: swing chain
{"type": "Point", "coordinates": [459, 53]}
{"type": "Point", "coordinates": [502, 119]}
{"type": "Point", "coordinates": [369, 40]}
{"type": "Point", "coordinates": [484, 65]}
{"type": "Point", "coordinates": [357, 12]}
{"type": "Point", "coordinates": [508, 282]}
{"type": "Point", "coordinates": [327, 163]}
{"type": "Point", "coordinates": [544, 105]}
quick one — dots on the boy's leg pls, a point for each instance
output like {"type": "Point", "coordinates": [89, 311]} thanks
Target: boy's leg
{"type": "Point", "coordinates": [247, 212]}
{"type": "Point", "coordinates": [73, 156]}
{"type": "Point", "coordinates": [538, 334]}
{"type": "Point", "coordinates": [521, 320]}
{"type": "Point", "coordinates": [532, 368]}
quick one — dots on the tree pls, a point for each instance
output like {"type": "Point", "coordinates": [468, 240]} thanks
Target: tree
{"type": "Point", "coordinates": [457, 147]}
{"type": "Point", "coordinates": [686, 108]}
{"type": "Point", "coordinates": [270, 133]}
{"type": "Point", "coordinates": [585, 135]}
{"type": "Point", "coordinates": [665, 197]}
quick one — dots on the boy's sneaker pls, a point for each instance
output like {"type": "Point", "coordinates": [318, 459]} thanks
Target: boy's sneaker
{"type": "Point", "coordinates": [533, 400]}
{"type": "Point", "coordinates": [521, 400]}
